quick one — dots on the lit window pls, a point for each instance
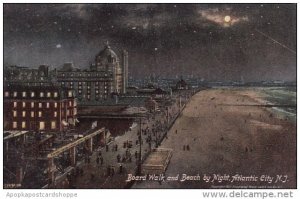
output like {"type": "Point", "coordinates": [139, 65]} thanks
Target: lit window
{"type": "Point", "coordinates": [48, 94]}
{"type": "Point", "coordinates": [32, 104]}
{"type": "Point", "coordinates": [23, 113]}
{"type": "Point", "coordinates": [70, 93]}
{"type": "Point", "coordinates": [55, 113]}
{"type": "Point", "coordinates": [40, 113]}
{"type": "Point", "coordinates": [41, 94]}
{"type": "Point", "coordinates": [15, 104]}
{"type": "Point", "coordinates": [55, 105]}
{"type": "Point", "coordinates": [75, 111]}
{"type": "Point", "coordinates": [15, 113]}
{"type": "Point", "coordinates": [42, 125]}
{"type": "Point", "coordinates": [6, 94]}
{"type": "Point", "coordinates": [32, 113]}
{"type": "Point", "coordinates": [40, 105]}
{"type": "Point", "coordinates": [53, 125]}
{"type": "Point", "coordinates": [70, 103]}
{"type": "Point", "coordinates": [23, 104]}
{"type": "Point", "coordinates": [55, 94]}
{"type": "Point", "coordinates": [48, 104]}
{"type": "Point", "coordinates": [15, 94]}
{"type": "Point", "coordinates": [23, 125]}
{"type": "Point", "coordinates": [32, 94]}
{"type": "Point", "coordinates": [68, 112]}
{"type": "Point", "coordinates": [24, 94]}
{"type": "Point", "coordinates": [15, 125]}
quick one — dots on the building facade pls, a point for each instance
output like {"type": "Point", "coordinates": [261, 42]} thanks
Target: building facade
{"type": "Point", "coordinates": [39, 108]}
{"type": "Point", "coordinates": [18, 75]}
{"type": "Point", "coordinates": [106, 76]}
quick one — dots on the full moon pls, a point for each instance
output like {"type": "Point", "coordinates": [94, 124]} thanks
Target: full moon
{"type": "Point", "coordinates": [227, 18]}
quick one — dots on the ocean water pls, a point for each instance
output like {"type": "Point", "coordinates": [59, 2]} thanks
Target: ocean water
{"type": "Point", "coordinates": [282, 96]}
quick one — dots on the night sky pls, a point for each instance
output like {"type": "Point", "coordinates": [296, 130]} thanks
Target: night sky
{"type": "Point", "coordinates": [211, 41]}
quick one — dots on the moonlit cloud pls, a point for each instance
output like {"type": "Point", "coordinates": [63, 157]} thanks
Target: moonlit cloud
{"type": "Point", "coordinates": [217, 16]}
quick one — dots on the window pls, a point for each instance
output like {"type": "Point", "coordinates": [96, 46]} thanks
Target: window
{"type": "Point", "coordinates": [32, 113]}
{"type": "Point", "coordinates": [55, 105]}
{"type": "Point", "coordinates": [41, 94]}
{"type": "Point", "coordinates": [32, 94]}
{"type": "Point", "coordinates": [68, 112]}
{"type": "Point", "coordinates": [53, 125]}
{"type": "Point", "coordinates": [23, 125]}
{"type": "Point", "coordinates": [6, 94]}
{"type": "Point", "coordinates": [55, 113]}
{"type": "Point", "coordinates": [40, 105]}
{"type": "Point", "coordinates": [47, 104]}
{"type": "Point", "coordinates": [75, 111]}
{"type": "Point", "coordinates": [15, 113]}
{"type": "Point", "coordinates": [55, 94]}
{"type": "Point", "coordinates": [15, 94]}
{"type": "Point", "coordinates": [15, 104]}
{"type": "Point", "coordinates": [15, 125]}
{"type": "Point", "coordinates": [23, 113]}
{"type": "Point", "coordinates": [23, 104]}
{"type": "Point", "coordinates": [40, 113]}
{"type": "Point", "coordinates": [70, 94]}
{"type": "Point", "coordinates": [32, 104]}
{"type": "Point", "coordinates": [48, 94]}
{"type": "Point", "coordinates": [24, 94]}
{"type": "Point", "coordinates": [42, 125]}
{"type": "Point", "coordinates": [70, 103]}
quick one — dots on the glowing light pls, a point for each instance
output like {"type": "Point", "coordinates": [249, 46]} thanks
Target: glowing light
{"type": "Point", "coordinates": [227, 18]}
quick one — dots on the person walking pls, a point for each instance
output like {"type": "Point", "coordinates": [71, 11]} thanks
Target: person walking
{"type": "Point", "coordinates": [121, 168]}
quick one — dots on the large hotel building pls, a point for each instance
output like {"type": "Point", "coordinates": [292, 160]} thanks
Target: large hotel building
{"type": "Point", "coordinates": [39, 108]}
{"type": "Point", "coordinates": [106, 76]}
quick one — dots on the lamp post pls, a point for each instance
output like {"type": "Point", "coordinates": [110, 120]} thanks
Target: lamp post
{"type": "Point", "coordinates": [140, 149]}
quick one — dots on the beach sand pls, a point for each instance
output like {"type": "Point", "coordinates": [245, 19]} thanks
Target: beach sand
{"type": "Point", "coordinates": [230, 133]}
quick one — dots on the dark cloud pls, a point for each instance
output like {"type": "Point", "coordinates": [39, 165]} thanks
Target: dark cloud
{"type": "Point", "coordinates": [166, 39]}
